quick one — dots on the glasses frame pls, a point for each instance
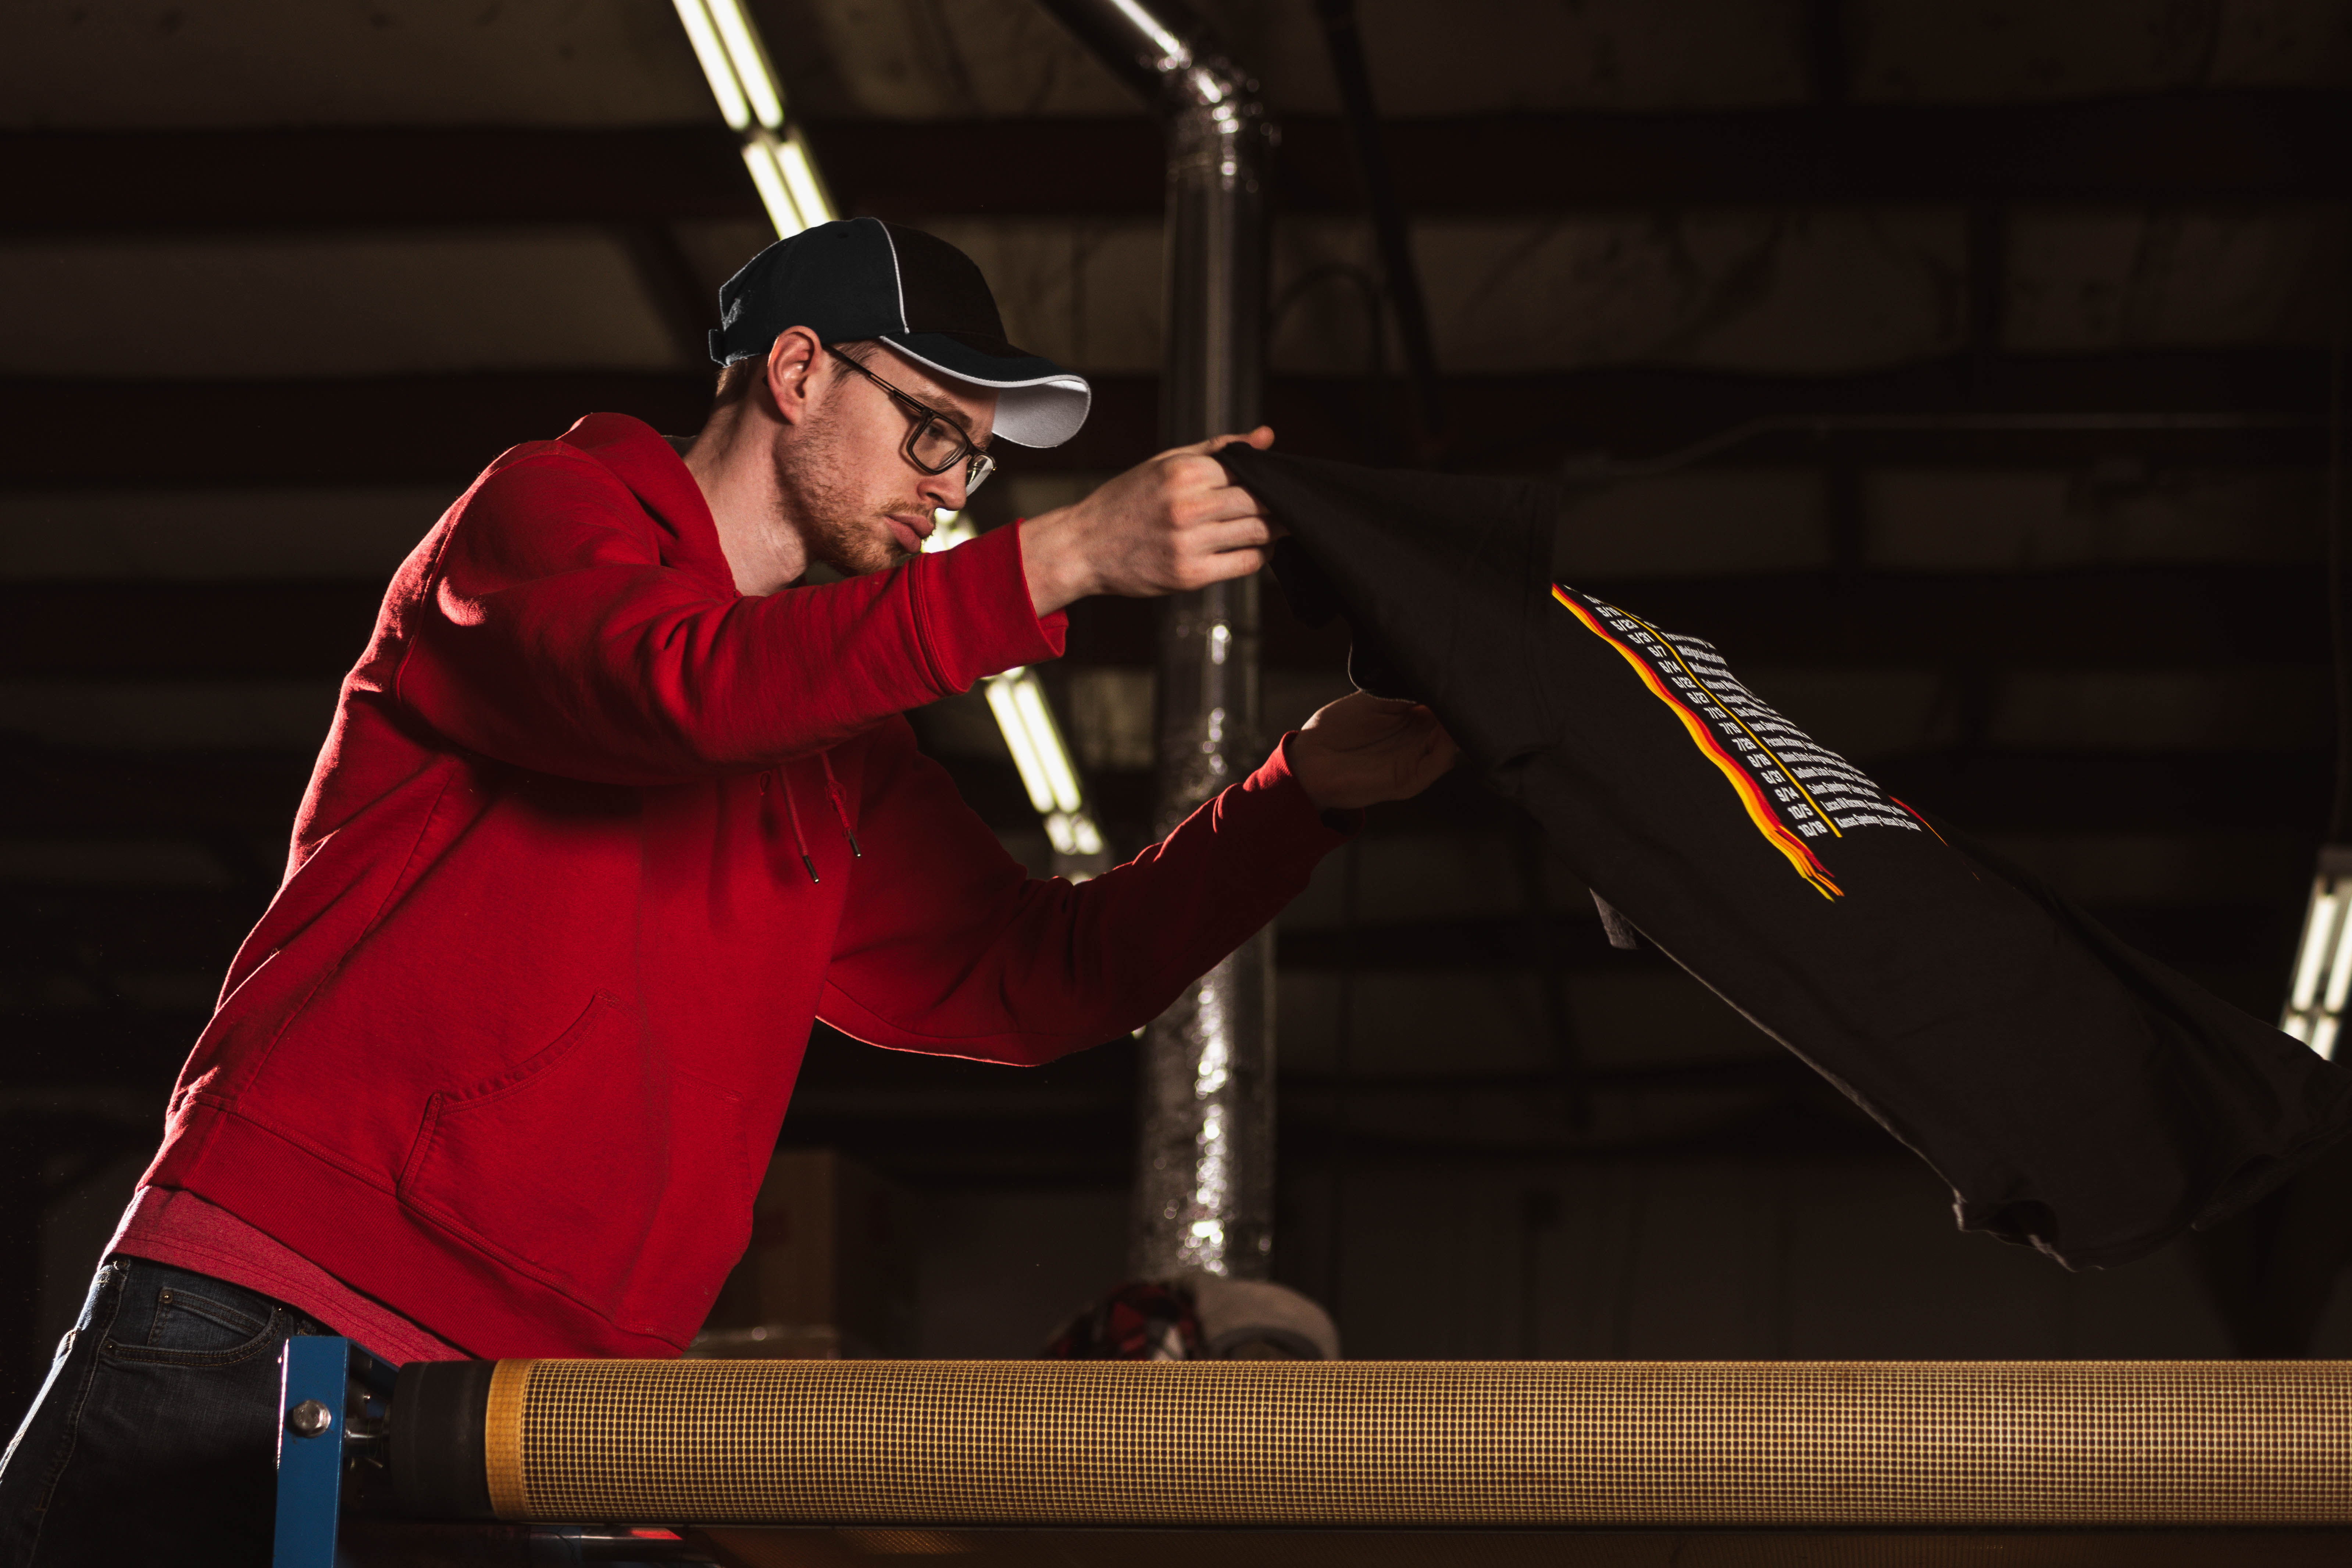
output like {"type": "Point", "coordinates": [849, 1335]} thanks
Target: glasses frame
{"type": "Point", "coordinates": [978, 464]}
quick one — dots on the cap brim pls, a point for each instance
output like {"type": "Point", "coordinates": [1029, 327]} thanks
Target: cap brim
{"type": "Point", "coordinates": [1038, 404]}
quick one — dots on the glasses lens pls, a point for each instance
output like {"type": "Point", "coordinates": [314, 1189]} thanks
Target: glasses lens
{"type": "Point", "coordinates": [936, 445]}
{"type": "Point", "coordinates": [976, 472]}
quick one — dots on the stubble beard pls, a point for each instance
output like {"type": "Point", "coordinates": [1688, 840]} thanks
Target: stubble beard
{"type": "Point", "coordinates": [837, 517]}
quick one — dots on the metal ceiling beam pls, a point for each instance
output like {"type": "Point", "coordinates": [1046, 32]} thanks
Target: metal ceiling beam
{"type": "Point", "coordinates": [145, 180]}
{"type": "Point", "coordinates": [2202, 616]}
{"type": "Point", "coordinates": [204, 796]}
{"type": "Point", "coordinates": [1400, 273]}
{"type": "Point", "coordinates": [146, 930]}
{"type": "Point", "coordinates": [2216, 931]}
{"type": "Point", "coordinates": [2265, 146]}
{"type": "Point", "coordinates": [2283, 145]}
{"type": "Point", "coordinates": [444, 428]}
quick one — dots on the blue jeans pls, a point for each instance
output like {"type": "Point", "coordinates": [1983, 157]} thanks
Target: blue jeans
{"type": "Point", "coordinates": [155, 1439]}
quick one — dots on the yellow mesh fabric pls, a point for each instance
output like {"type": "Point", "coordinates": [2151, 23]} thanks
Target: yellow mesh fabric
{"type": "Point", "coordinates": [502, 1432]}
{"type": "Point", "coordinates": [1399, 1442]}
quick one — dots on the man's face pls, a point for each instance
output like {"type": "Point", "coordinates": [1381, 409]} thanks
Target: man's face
{"type": "Point", "coordinates": [846, 483]}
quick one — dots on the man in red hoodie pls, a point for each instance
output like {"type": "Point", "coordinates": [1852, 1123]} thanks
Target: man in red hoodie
{"type": "Point", "coordinates": [610, 811]}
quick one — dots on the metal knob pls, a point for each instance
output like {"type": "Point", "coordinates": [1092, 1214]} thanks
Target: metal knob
{"type": "Point", "coordinates": [308, 1419]}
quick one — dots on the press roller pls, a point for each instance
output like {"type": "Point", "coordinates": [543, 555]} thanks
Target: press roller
{"type": "Point", "coordinates": [1370, 1444]}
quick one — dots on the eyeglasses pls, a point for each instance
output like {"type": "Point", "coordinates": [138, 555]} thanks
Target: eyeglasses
{"type": "Point", "coordinates": [937, 443]}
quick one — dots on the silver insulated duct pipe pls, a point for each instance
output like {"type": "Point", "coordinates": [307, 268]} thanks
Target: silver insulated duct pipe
{"type": "Point", "coordinates": [1204, 1165]}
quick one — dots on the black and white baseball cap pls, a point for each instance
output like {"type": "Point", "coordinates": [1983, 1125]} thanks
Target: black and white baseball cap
{"type": "Point", "coordinates": [861, 277]}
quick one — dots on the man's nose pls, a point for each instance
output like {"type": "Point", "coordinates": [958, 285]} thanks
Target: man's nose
{"type": "Point", "coordinates": [945, 491]}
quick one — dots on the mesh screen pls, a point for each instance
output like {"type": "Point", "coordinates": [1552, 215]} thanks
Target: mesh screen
{"type": "Point", "coordinates": [1108, 1546]}
{"type": "Point", "coordinates": [1401, 1443]}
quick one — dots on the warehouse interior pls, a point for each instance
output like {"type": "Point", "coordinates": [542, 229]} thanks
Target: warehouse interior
{"type": "Point", "coordinates": [1969, 372]}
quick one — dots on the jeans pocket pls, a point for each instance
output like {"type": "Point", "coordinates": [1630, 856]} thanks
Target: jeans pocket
{"type": "Point", "coordinates": [193, 1328]}
{"type": "Point", "coordinates": [185, 1320]}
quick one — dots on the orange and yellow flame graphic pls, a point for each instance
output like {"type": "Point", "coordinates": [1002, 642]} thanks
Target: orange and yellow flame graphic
{"type": "Point", "coordinates": [1751, 795]}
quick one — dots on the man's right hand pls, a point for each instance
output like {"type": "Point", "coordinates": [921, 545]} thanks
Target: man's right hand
{"type": "Point", "coordinates": [1166, 526]}
{"type": "Point", "coordinates": [1363, 749]}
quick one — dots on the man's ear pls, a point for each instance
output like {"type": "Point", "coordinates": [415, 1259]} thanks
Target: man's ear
{"type": "Point", "coordinates": [793, 362]}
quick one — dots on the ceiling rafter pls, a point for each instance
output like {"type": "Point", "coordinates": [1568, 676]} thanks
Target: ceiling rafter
{"type": "Point", "coordinates": [2273, 146]}
{"type": "Point", "coordinates": [2119, 615]}
{"type": "Point", "coordinates": [445, 427]}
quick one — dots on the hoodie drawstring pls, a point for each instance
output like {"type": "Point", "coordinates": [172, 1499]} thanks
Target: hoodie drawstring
{"type": "Point", "coordinates": [840, 812]}
{"type": "Point", "coordinates": [793, 810]}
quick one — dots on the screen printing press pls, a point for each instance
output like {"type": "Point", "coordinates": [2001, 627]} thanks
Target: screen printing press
{"type": "Point", "coordinates": [777, 1464]}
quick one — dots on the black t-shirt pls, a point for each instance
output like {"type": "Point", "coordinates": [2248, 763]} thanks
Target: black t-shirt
{"type": "Point", "coordinates": [2077, 1095]}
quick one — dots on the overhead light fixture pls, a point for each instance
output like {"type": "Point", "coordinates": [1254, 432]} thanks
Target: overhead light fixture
{"type": "Point", "coordinates": [787, 182]}
{"type": "Point", "coordinates": [735, 62]}
{"type": "Point", "coordinates": [749, 58]}
{"type": "Point", "coordinates": [1026, 717]}
{"type": "Point", "coordinates": [2323, 965]}
{"type": "Point", "coordinates": [1171, 48]}
{"type": "Point", "coordinates": [948, 529]}
{"type": "Point", "coordinates": [712, 56]}
{"type": "Point", "coordinates": [1045, 741]}
{"type": "Point", "coordinates": [775, 192]}
{"type": "Point", "coordinates": [1017, 698]}
{"type": "Point", "coordinates": [1018, 739]}
{"type": "Point", "coordinates": [800, 178]}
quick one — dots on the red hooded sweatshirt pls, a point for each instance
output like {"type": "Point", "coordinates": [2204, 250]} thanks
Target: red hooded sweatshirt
{"type": "Point", "coordinates": [512, 1043]}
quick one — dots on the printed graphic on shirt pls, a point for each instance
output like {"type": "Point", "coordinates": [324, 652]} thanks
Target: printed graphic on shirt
{"type": "Point", "coordinates": [1791, 789]}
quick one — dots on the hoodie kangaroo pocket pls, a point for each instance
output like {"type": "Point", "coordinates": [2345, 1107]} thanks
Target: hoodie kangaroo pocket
{"type": "Point", "coordinates": [595, 1167]}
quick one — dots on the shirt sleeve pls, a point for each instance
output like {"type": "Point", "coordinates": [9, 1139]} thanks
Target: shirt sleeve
{"type": "Point", "coordinates": [543, 628]}
{"type": "Point", "coordinates": [947, 946]}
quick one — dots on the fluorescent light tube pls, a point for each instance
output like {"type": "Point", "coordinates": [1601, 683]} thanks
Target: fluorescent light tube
{"type": "Point", "coordinates": [1006, 707]}
{"type": "Point", "coordinates": [2339, 965]}
{"type": "Point", "coordinates": [2318, 932]}
{"type": "Point", "coordinates": [1017, 698]}
{"type": "Point", "coordinates": [715, 68]}
{"type": "Point", "coordinates": [758, 156]}
{"type": "Point", "coordinates": [1072, 833]}
{"type": "Point", "coordinates": [1074, 838]}
{"type": "Point", "coordinates": [800, 178]}
{"type": "Point", "coordinates": [751, 62]}
{"type": "Point", "coordinates": [1149, 25]}
{"type": "Point", "coordinates": [1047, 740]}
{"type": "Point", "coordinates": [949, 530]}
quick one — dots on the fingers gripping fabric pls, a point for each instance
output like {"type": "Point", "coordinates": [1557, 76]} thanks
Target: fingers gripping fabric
{"type": "Point", "coordinates": [1460, 1443]}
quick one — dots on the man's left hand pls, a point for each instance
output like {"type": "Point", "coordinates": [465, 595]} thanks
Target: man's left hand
{"type": "Point", "coordinates": [1363, 749]}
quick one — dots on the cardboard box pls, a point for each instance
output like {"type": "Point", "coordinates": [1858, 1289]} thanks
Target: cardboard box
{"type": "Point", "coordinates": [830, 1271]}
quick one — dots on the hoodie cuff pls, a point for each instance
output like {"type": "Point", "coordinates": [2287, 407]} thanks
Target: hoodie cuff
{"type": "Point", "coordinates": [1326, 829]}
{"type": "Point", "coordinates": [973, 605]}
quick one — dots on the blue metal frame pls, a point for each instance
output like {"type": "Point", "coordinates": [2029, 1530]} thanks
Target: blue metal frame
{"type": "Point", "coordinates": [310, 1469]}
{"type": "Point", "coordinates": [349, 1383]}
